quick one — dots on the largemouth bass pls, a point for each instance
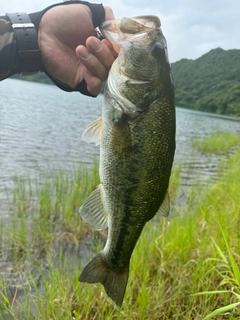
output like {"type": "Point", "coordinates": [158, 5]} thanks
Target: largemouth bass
{"type": "Point", "coordinates": [136, 134]}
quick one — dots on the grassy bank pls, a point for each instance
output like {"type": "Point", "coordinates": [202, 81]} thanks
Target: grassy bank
{"type": "Point", "coordinates": [218, 142]}
{"type": "Point", "coordinates": [45, 245]}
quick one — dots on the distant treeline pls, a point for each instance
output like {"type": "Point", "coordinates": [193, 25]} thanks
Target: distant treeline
{"type": "Point", "coordinates": [37, 77]}
{"type": "Point", "coordinates": [210, 83]}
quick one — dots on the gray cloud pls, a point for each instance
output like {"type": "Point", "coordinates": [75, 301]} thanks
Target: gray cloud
{"type": "Point", "coordinates": [192, 27]}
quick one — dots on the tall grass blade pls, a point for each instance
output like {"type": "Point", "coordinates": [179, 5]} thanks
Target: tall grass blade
{"type": "Point", "coordinates": [209, 292]}
{"type": "Point", "coordinates": [221, 310]}
{"type": "Point", "coordinates": [222, 255]}
{"type": "Point", "coordinates": [233, 262]}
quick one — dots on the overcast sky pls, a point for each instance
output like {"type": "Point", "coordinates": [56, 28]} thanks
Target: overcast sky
{"type": "Point", "coordinates": [191, 27]}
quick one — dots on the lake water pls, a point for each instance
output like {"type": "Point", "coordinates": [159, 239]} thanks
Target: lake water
{"type": "Point", "coordinates": [41, 127]}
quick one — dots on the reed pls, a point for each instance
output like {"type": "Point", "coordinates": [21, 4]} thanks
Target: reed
{"type": "Point", "coordinates": [173, 264]}
{"type": "Point", "coordinates": [217, 142]}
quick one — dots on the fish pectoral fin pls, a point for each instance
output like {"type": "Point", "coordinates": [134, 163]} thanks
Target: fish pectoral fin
{"type": "Point", "coordinates": [93, 132]}
{"type": "Point", "coordinates": [92, 211]}
{"type": "Point", "coordinates": [165, 206]}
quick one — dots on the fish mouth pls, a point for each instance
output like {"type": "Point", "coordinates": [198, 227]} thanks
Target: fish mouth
{"type": "Point", "coordinates": [118, 30]}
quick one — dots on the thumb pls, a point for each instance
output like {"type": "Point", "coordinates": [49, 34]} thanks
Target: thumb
{"type": "Point", "coordinates": [109, 15]}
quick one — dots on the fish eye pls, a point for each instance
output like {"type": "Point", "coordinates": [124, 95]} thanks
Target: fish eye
{"type": "Point", "coordinates": [157, 50]}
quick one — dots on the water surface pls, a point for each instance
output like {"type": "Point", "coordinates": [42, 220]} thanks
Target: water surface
{"type": "Point", "coordinates": [41, 127]}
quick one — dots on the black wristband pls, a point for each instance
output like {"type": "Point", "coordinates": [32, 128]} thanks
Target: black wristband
{"type": "Point", "coordinates": [26, 35]}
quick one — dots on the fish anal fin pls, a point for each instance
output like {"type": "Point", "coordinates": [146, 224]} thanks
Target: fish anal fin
{"type": "Point", "coordinates": [92, 211]}
{"type": "Point", "coordinates": [165, 206]}
{"type": "Point", "coordinates": [114, 282]}
{"type": "Point", "coordinates": [93, 132]}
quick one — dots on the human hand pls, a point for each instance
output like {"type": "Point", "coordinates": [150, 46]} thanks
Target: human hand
{"type": "Point", "coordinates": [71, 51]}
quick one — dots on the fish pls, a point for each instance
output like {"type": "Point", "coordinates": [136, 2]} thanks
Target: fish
{"type": "Point", "coordinates": [136, 134]}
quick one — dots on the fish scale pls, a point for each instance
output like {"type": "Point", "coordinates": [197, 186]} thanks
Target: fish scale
{"type": "Point", "coordinates": [137, 144]}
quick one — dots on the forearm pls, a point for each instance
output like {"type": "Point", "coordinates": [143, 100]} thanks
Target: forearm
{"type": "Point", "coordinates": [9, 57]}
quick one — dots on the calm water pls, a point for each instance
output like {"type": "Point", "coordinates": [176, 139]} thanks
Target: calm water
{"type": "Point", "coordinates": [41, 127]}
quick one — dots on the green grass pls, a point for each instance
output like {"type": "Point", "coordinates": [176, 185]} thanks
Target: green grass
{"type": "Point", "coordinates": [230, 274]}
{"type": "Point", "coordinates": [198, 252]}
{"type": "Point", "coordinates": [217, 142]}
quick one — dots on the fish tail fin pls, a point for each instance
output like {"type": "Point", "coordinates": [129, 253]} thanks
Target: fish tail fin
{"type": "Point", "coordinates": [114, 282]}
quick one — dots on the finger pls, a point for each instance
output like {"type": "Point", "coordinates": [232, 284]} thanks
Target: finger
{"type": "Point", "coordinates": [109, 15]}
{"type": "Point", "coordinates": [100, 50]}
{"type": "Point", "coordinates": [110, 47]}
{"type": "Point", "coordinates": [96, 57]}
{"type": "Point", "coordinates": [94, 84]}
{"type": "Point", "coordinates": [91, 63]}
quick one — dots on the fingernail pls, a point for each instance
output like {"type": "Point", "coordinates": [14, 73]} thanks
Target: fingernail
{"type": "Point", "coordinates": [84, 54]}
{"type": "Point", "coordinates": [95, 45]}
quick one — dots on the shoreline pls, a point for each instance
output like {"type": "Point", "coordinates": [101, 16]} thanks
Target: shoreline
{"type": "Point", "coordinates": [45, 249]}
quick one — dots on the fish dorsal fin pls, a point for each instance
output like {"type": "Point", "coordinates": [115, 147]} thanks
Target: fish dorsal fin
{"type": "Point", "coordinates": [92, 211]}
{"type": "Point", "coordinates": [165, 206]}
{"type": "Point", "coordinates": [93, 132]}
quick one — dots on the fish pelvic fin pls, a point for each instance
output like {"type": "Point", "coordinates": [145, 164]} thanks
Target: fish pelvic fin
{"type": "Point", "coordinates": [93, 132]}
{"type": "Point", "coordinates": [92, 211]}
{"type": "Point", "coordinates": [165, 206]}
{"type": "Point", "coordinates": [114, 282]}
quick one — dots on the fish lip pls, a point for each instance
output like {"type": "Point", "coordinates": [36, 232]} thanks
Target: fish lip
{"type": "Point", "coordinates": [117, 30]}
{"type": "Point", "coordinates": [150, 18]}
{"type": "Point", "coordinates": [107, 22]}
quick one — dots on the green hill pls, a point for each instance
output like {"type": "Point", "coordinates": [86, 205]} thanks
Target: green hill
{"type": "Point", "coordinates": [210, 83]}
